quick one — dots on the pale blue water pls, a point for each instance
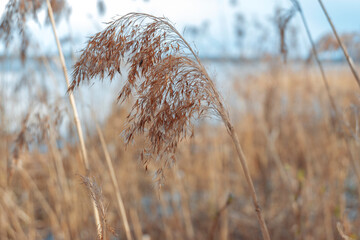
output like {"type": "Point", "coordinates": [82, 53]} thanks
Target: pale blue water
{"type": "Point", "coordinates": [23, 86]}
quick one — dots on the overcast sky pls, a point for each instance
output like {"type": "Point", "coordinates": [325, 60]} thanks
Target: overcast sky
{"type": "Point", "coordinates": [214, 17]}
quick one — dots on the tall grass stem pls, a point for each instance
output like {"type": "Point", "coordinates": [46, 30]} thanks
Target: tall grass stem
{"type": "Point", "coordinates": [343, 47]}
{"type": "Point", "coordinates": [115, 183]}
{"type": "Point", "coordinates": [73, 105]}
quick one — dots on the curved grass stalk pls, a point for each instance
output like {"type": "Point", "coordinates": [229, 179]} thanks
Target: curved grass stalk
{"type": "Point", "coordinates": [170, 85]}
{"type": "Point", "coordinates": [347, 56]}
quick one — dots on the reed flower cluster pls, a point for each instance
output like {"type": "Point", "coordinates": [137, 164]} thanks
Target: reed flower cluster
{"type": "Point", "coordinates": [16, 15]}
{"type": "Point", "coordinates": [170, 86]}
{"type": "Point", "coordinates": [168, 82]}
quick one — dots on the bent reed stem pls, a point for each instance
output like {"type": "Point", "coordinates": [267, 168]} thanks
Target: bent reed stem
{"type": "Point", "coordinates": [347, 56]}
{"type": "Point", "coordinates": [327, 86]}
{"type": "Point", "coordinates": [316, 56]}
{"type": "Point", "coordinates": [244, 165]}
{"type": "Point", "coordinates": [75, 112]}
{"type": "Point", "coordinates": [170, 84]}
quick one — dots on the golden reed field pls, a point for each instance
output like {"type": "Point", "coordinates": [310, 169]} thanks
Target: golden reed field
{"type": "Point", "coordinates": [178, 157]}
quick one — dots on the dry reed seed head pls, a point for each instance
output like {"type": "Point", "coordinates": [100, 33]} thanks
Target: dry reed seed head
{"type": "Point", "coordinates": [282, 18]}
{"type": "Point", "coordinates": [17, 12]}
{"type": "Point", "coordinates": [96, 195]}
{"type": "Point", "coordinates": [95, 192]}
{"type": "Point", "coordinates": [35, 129]}
{"type": "Point", "coordinates": [328, 42]}
{"type": "Point", "coordinates": [170, 86]}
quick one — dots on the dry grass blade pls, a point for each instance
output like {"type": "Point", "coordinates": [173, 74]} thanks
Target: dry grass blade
{"type": "Point", "coordinates": [341, 232]}
{"type": "Point", "coordinates": [115, 183]}
{"type": "Point", "coordinates": [297, 6]}
{"type": "Point", "coordinates": [348, 58]}
{"type": "Point", "coordinates": [338, 117]}
{"type": "Point", "coordinates": [170, 85]}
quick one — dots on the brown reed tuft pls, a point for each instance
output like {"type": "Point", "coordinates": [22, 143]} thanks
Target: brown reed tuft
{"type": "Point", "coordinates": [171, 88]}
{"type": "Point", "coordinates": [97, 196]}
{"type": "Point", "coordinates": [282, 19]}
{"type": "Point", "coordinates": [168, 81]}
{"type": "Point", "coordinates": [17, 13]}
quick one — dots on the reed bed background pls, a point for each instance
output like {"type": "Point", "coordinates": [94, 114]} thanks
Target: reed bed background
{"type": "Point", "coordinates": [301, 168]}
{"type": "Point", "coordinates": [303, 160]}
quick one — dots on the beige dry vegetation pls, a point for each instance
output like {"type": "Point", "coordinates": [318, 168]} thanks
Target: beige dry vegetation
{"type": "Point", "coordinates": [302, 156]}
{"type": "Point", "coordinates": [301, 169]}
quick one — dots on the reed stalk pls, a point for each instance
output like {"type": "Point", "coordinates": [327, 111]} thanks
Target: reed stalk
{"type": "Point", "coordinates": [343, 47]}
{"type": "Point", "coordinates": [185, 208]}
{"type": "Point", "coordinates": [243, 162]}
{"type": "Point", "coordinates": [327, 87]}
{"type": "Point", "coordinates": [114, 181]}
{"type": "Point", "coordinates": [171, 87]}
{"type": "Point", "coordinates": [61, 178]}
{"type": "Point", "coordinates": [136, 223]}
{"type": "Point", "coordinates": [316, 56]}
{"type": "Point", "coordinates": [73, 106]}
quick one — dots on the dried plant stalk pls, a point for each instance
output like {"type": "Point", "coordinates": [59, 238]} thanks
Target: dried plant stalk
{"type": "Point", "coordinates": [347, 56]}
{"type": "Point", "coordinates": [73, 105]}
{"type": "Point", "coordinates": [97, 197]}
{"type": "Point", "coordinates": [341, 231]}
{"type": "Point", "coordinates": [115, 183]}
{"type": "Point", "coordinates": [170, 85]}
{"type": "Point", "coordinates": [338, 117]}
{"type": "Point", "coordinates": [282, 19]}
{"type": "Point", "coordinates": [298, 7]}
{"type": "Point", "coordinates": [71, 96]}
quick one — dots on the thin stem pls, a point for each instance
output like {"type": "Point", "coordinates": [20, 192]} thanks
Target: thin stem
{"type": "Point", "coordinates": [115, 183]}
{"type": "Point", "coordinates": [243, 162]}
{"type": "Point", "coordinates": [341, 231]}
{"type": "Point", "coordinates": [332, 102]}
{"type": "Point", "coordinates": [348, 58]}
{"type": "Point", "coordinates": [71, 95]}
{"type": "Point", "coordinates": [241, 155]}
{"type": "Point", "coordinates": [184, 206]}
{"type": "Point", "coordinates": [242, 158]}
{"type": "Point", "coordinates": [136, 223]}
{"type": "Point", "coordinates": [234, 137]}
{"type": "Point", "coordinates": [41, 198]}
{"type": "Point", "coordinates": [315, 53]}
{"type": "Point", "coordinates": [164, 212]}
{"type": "Point", "coordinates": [220, 212]}
{"type": "Point", "coordinates": [73, 105]}
{"type": "Point", "coordinates": [61, 177]}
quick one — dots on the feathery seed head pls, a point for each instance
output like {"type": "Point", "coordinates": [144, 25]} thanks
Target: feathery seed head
{"type": "Point", "coordinates": [17, 12]}
{"type": "Point", "coordinates": [170, 85]}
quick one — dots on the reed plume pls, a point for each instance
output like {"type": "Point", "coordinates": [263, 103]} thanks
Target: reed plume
{"type": "Point", "coordinates": [97, 196]}
{"type": "Point", "coordinates": [18, 12]}
{"type": "Point", "coordinates": [171, 88]}
{"type": "Point", "coordinates": [169, 83]}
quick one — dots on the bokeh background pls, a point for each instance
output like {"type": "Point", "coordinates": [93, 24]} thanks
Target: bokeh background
{"type": "Point", "coordinates": [301, 138]}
